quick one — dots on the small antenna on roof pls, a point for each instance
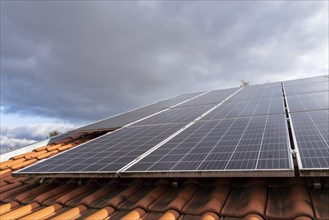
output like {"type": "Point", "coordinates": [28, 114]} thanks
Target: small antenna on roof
{"type": "Point", "coordinates": [244, 83]}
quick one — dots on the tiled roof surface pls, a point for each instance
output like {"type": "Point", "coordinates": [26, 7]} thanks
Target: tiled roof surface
{"type": "Point", "coordinates": [183, 199]}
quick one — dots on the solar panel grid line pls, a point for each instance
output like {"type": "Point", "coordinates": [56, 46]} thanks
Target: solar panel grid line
{"type": "Point", "coordinates": [261, 144]}
{"type": "Point", "coordinates": [237, 145]}
{"type": "Point", "coordinates": [174, 135]}
{"type": "Point", "coordinates": [210, 152]}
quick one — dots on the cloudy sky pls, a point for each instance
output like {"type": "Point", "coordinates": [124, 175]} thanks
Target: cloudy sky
{"type": "Point", "coordinates": [64, 64]}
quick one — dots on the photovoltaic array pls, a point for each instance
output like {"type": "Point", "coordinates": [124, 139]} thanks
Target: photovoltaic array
{"type": "Point", "coordinates": [248, 131]}
{"type": "Point", "coordinates": [307, 101]}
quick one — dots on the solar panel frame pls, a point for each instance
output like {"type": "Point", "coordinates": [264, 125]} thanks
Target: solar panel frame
{"type": "Point", "coordinates": [313, 144]}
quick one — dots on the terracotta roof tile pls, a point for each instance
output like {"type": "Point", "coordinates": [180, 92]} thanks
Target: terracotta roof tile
{"type": "Point", "coordinates": [8, 207]}
{"type": "Point", "coordinates": [43, 213]}
{"type": "Point", "coordinates": [75, 193]}
{"type": "Point", "coordinates": [72, 213]}
{"type": "Point", "coordinates": [152, 215]}
{"type": "Point", "coordinates": [23, 164]}
{"type": "Point", "coordinates": [320, 200]}
{"type": "Point", "coordinates": [9, 195]}
{"type": "Point", "coordinates": [124, 195]}
{"type": "Point", "coordinates": [28, 196]}
{"type": "Point", "coordinates": [101, 214]}
{"type": "Point", "coordinates": [165, 200]}
{"type": "Point", "coordinates": [207, 200]}
{"type": "Point", "coordinates": [248, 201]}
{"type": "Point", "coordinates": [170, 215]}
{"type": "Point", "coordinates": [46, 155]}
{"type": "Point", "coordinates": [144, 198]}
{"type": "Point", "coordinates": [20, 211]}
{"type": "Point", "coordinates": [9, 163]}
{"type": "Point", "coordinates": [289, 203]}
{"type": "Point", "coordinates": [135, 214]}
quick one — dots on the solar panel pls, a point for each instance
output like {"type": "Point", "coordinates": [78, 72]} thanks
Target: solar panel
{"type": "Point", "coordinates": [135, 115]}
{"type": "Point", "coordinates": [308, 102]}
{"type": "Point", "coordinates": [258, 92]}
{"type": "Point", "coordinates": [230, 145]}
{"type": "Point", "coordinates": [251, 107]}
{"type": "Point", "coordinates": [305, 80]}
{"type": "Point", "coordinates": [177, 114]}
{"type": "Point", "coordinates": [307, 88]}
{"type": "Point", "coordinates": [106, 154]}
{"type": "Point", "coordinates": [212, 97]}
{"type": "Point", "coordinates": [311, 134]}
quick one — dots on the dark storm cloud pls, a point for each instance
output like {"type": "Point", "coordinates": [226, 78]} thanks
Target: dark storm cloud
{"type": "Point", "coordinates": [88, 60]}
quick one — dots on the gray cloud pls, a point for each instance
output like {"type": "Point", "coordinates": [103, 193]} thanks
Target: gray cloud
{"type": "Point", "coordinates": [20, 136]}
{"type": "Point", "coordinates": [83, 61]}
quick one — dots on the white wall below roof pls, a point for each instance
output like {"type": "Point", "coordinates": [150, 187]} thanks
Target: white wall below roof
{"type": "Point", "coordinates": [31, 147]}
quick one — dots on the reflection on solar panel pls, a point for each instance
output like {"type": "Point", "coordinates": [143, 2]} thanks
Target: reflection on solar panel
{"type": "Point", "coordinates": [213, 97]}
{"type": "Point", "coordinates": [108, 153]}
{"type": "Point", "coordinates": [308, 102]}
{"type": "Point", "coordinates": [247, 108]}
{"type": "Point", "coordinates": [311, 132]}
{"type": "Point", "coordinates": [305, 80]}
{"type": "Point", "coordinates": [253, 143]}
{"type": "Point", "coordinates": [307, 88]}
{"type": "Point", "coordinates": [135, 115]}
{"type": "Point", "coordinates": [258, 92]}
{"type": "Point", "coordinates": [178, 114]}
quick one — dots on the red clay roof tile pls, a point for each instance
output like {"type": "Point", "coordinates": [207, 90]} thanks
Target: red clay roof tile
{"type": "Point", "coordinates": [320, 200]}
{"type": "Point", "coordinates": [72, 213]}
{"type": "Point", "coordinates": [75, 193]}
{"type": "Point", "coordinates": [207, 200]}
{"type": "Point", "coordinates": [289, 203]}
{"type": "Point", "coordinates": [101, 214]}
{"type": "Point", "coordinates": [20, 212]}
{"type": "Point", "coordinates": [43, 213]}
{"type": "Point", "coordinates": [8, 207]}
{"type": "Point", "coordinates": [170, 215]}
{"type": "Point", "coordinates": [142, 200]}
{"type": "Point", "coordinates": [248, 201]}
{"type": "Point", "coordinates": [134, 214]}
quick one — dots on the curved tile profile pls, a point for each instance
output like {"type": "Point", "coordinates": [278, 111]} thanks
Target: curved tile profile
{"type": "Point", "coordinates": [320, 200]}
{"type": "Point", "coordinates": [207, 199]}
{"type": "Point", "coordinates": [289, 203]}
{"type": "Point", "coordinates": [247, 200]}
